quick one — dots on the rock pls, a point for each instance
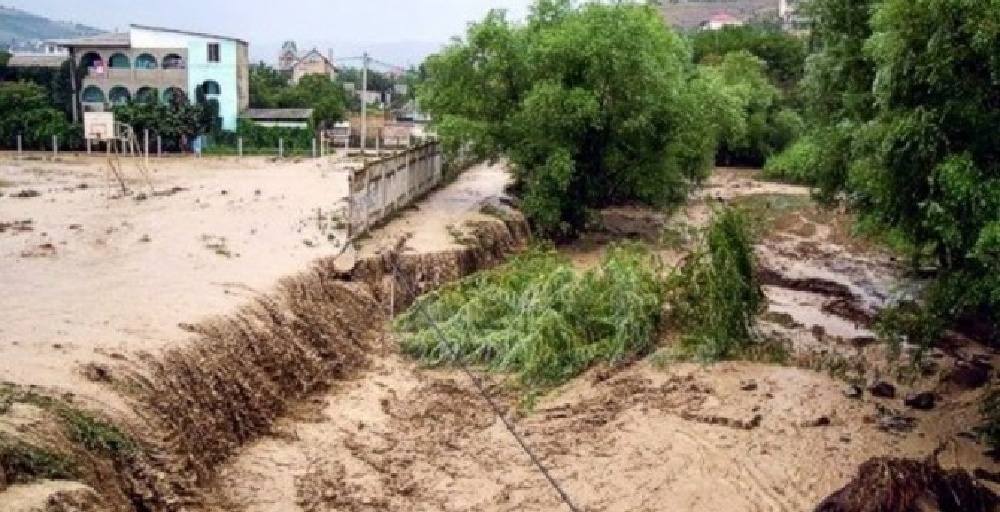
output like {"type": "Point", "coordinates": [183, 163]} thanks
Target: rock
{"type": "Point", "coordinates": [901, 485]}
{"type": "Point", "coordinates": [969, 375]}
{"type": "Point", "coordinates": [922, 401]}
{"type": "Point", "coordinates": [633, 222]}
{"type": "Point", "coordinates": [822, 421]}
{"type": "Point", "coordinates": [854, 392]}
{"type": "Point", "coordinates": [883, 389]}
{"type": "Point", "coordinates": [748, 385]}
{"type": "Point", "coordinates": [26, 193]}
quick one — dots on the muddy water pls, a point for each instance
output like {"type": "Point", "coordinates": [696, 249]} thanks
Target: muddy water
{"type": "Point", "coordinates": [734, 436]}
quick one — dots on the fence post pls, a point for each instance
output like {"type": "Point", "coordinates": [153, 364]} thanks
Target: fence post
{"type": "Point", "coordinates": [281, 148]}
{"type": "Point", "coordinates": [19, 147]}
{"type": "Point", "coordinates": [55, 145]}
{"type": "Point", "coordinates": [88, 146]}
{"type": "Point", "coordinates": [159, 146]}
{"type": "Point", "coordinates": [378, 142]}
{"type": "Point", "coordinates": [239, 147]}
{"type": "Point", "coordinates": [145, 145]}
{"type": "Point", "coordinates": [314, 147]}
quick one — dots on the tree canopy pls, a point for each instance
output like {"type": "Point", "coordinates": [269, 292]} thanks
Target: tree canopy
{"type": "Point", "coordinates": [593, 105]}
{"type": "Point", "coordinates": [270, 88]}
{"type": "Point", "coordinates": [904, 101]}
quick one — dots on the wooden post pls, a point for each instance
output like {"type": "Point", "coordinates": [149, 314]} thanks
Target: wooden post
{"type": "Point", "coordinates": [314, 147]}
{"type": "Point", "coordinates": [19, 147]}
{"type": "Point", "coordinates": [55, 145]}
{"type": "Point", "coordinates": [88, 146]}
{"type": "Point", "coordinates": [281, 148]}
{"type": "Point", "coordinates": [159, 146]}
{"type": "Point", "coordinates": [145, 145]}
{"type": "Point", "coordinates": [239, 147]}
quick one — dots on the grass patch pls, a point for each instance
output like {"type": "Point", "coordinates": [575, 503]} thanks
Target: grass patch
{"type": "Point", "coordinates": [539, 318]}
{"type": "Point", "coordinates": [22, 463]}
{"type": "Point", "coordinates": [716, 296]}
{"type": "Point", "coordinates": [94, 434]}
{"type": "Point", "coordinates": [90, 432]}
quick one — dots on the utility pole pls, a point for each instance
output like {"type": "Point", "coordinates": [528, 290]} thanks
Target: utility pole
{"type": "Point", "coordinates": [364, 103]}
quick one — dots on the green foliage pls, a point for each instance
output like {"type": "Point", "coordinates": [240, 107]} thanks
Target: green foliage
{"type": "Point", "coordinates": [716, 296]}
{"type": "Point", "coordinates": [784, 55]}
{"type": "Point", "coordinates": [905, 102]}
{"type": "Point", "coordinates": [26, 109]}
{"type": "Point", "coordinates": [540, 318]}
{"type": "Point", "coordinates": [94, 434]}
{"type": "Point", "coordinates": [796, 163]}
{"type": "Point", "coordinates": [56, 82]}
{"type": "Point", "coordinates": [270, 88]}
{"type": "Point", "coordinates": [763, 126]}
{"type": "Point", "coordinates": [263, 140]}
{"type": "Point", "coordinates": [174, 121]}
{"type": "Point", "coordinates": [592, 105]}
{"type": "Point", "coordinates": [21, 463]}
{"type": "Point", "coordinates": [990, 410]}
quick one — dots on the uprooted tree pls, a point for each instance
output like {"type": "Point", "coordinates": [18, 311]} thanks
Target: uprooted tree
{"type": "Point", "coordinates": [593, 106]}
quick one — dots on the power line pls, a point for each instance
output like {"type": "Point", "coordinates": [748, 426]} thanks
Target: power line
{"type": "Point", "coordinates": [563, 495]}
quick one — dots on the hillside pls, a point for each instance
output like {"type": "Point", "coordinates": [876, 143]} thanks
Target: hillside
{"type": "Point", "coordinates": [19, 26]}
{"type": "Point", "coordinates": [691, 13]}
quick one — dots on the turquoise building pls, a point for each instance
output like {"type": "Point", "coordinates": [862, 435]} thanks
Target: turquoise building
{"type": "Point", "coordinates": [158, 64]}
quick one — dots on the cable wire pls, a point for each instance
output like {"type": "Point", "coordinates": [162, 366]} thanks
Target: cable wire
{"type": "Point", "coordinates": [563, 495]}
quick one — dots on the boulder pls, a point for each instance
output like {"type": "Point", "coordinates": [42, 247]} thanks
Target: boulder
{"type": "Point", "coordinates": [882, 389]}
{"type": "Point", "coordinates": [901, 485]}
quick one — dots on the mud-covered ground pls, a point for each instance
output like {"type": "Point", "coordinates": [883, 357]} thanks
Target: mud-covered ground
{"type": "Point", "coordinates": [734, 436]}
{"type": "Point", "coordinates": [390, 435]}
{"type": "Point", "coordinates": [90, 275]}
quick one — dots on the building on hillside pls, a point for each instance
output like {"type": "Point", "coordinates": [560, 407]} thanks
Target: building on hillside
{"type": "Point", "coordinates": [693, 14]}
{"type": "Point", "coordinates": [280, 117]}
{"type": "Point", "coordinates": [289, 54]}
{"type": "Point", "coordinates": [314, 63]}
{"type": "Point", "coordinates": [793, 18]}
{"type": "Point", "coordinates": [36, 54]}
{"type": "Point", "coordinates": [150, 64]}
{"type": "Point", "coordinates": [720, 20]}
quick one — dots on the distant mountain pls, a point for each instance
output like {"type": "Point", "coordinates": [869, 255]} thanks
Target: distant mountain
{"type": "Point", "coordinates": [17, 26]}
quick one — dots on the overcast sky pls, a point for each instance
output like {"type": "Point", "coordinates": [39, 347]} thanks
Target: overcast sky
{"type": "Point", "coordinates": [390, 26]}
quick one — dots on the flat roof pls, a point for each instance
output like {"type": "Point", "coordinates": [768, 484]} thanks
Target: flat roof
{"type": "Point", "coordinates": [107, 39]}
{"type": "Point", "coordinates": [37, 61]}
{"type": "Point", "coordinates": [185, 32]}
{"type": "Point", "coordinates": [124, 39]}
{"type": "Point", "coordinates": [295, 114]}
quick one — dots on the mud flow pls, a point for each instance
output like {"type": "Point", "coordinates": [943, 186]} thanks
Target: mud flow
{"type": "Point", "coordinates": [289, 392]}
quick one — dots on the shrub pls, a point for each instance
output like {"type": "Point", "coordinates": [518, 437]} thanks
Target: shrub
{"type": "Point", "coordinates": [538, 317]}
{"type": "Point", "coordinates": [716, 296]}
{"type": "Point", "coordinates": [796, 164]}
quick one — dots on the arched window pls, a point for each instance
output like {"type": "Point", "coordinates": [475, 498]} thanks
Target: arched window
{"type": "Point", "coordinates": [211, 87]}
{"type": "Point", "coordinates": [173, 61]}
{"type": "Point", "coordinates": [92, 64]}
{"type": "Point", "coordinates": [146, 95]}
{"type": "Point", "coordinates": [119, 61]}
{"type": "Point", "coordinates": [119, 95]}
{"type": "Point", "coordinates": [172, 95]}
{"type": "Point", "coordinates": [145, 61]}
{"type": "Point", "coordinates": [93, 94]}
